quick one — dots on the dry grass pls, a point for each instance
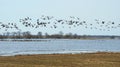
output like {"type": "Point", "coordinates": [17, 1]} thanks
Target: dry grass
{"type": "Point", "coordinates": [63, 60]}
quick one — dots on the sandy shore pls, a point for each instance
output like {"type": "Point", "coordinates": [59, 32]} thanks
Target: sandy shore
{"type": "Point", "coordinates": [101, 59]}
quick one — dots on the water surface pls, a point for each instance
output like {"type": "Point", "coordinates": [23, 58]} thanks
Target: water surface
{"type": "Point", "coordinates": [51, 46]}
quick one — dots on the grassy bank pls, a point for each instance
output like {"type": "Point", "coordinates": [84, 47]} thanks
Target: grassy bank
{"type": "Point", "coordinates": [63, 60]}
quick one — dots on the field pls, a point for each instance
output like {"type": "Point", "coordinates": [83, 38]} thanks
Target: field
{"type": "Point", "coordinates": [100, 59]}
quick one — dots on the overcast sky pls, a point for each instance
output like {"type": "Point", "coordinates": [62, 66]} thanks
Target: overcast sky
{"type": "Point", "coordinates": [108, 10]}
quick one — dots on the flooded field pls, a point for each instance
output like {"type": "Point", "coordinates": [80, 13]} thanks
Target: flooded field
{"type": "Point", "coordinates": [56, 46]}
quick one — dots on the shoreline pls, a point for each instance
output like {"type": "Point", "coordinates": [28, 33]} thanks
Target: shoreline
{"type": "Point", "coordinates": [49, 39]}
{"type": "Point", "coordinates": [96, 52]}
{"type": "Point", "coordinates": [54, 53]}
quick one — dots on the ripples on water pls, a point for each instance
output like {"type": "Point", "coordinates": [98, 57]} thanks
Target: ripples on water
{"type": "Point", "coordinates": [53, 46]}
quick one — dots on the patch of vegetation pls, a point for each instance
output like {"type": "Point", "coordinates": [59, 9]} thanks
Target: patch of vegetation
{"type": "Point", "coordinates": [60, 35]}
{"type": "Point", "coordinates": [63, 60]}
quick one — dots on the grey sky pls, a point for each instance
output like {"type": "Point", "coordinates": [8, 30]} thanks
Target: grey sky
{"type": "Point", "coordinates": [108, 10]}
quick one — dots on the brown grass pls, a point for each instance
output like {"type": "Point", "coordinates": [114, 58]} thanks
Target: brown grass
{"type": "Point", "coordinates": [63, 60]}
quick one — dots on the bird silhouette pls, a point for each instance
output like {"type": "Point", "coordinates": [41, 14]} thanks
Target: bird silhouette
{"type": "Point", "coordinates": [54, 23]}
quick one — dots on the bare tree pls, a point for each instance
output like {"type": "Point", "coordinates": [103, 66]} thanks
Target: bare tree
{"type": "Point", "coordinates": [27, 35]}
{"type": "Point", "coordinates": [39, 35]}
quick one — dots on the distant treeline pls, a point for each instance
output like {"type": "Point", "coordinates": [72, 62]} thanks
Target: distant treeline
{"type": "Point", "coordinates": [60, 35]}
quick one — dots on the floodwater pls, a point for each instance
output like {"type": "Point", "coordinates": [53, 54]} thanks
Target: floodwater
{"type": "Point", "coordinates": [57, 46]}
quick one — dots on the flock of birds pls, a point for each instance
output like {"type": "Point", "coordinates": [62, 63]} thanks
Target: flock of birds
{"type": "Point", "coordinates": [8, 26]}
{"type": "Point", "coordinates": [51, 22]}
